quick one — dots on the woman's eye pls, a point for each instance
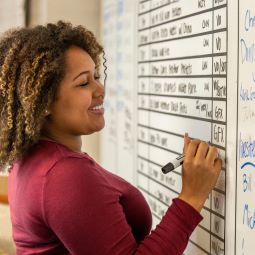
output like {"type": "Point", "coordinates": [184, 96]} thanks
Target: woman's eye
{"type": "Point", "coordinates": [84, 84]}
{"type": "Point", "coordinates": [97, 77]}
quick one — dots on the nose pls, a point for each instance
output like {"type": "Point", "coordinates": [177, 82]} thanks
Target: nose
{"type": "Point", "coordinates": [100, 90]}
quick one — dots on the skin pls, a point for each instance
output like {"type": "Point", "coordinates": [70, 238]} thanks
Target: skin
{"type": "Point", "coordinates": [201, 169]}
{"type": "Point", "coordinates": [71, 115]}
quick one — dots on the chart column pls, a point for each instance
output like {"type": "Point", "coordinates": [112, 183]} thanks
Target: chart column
{"type": "Point", "coordinates": [219, 123]}
{"type": "Point", "coordinates": [143, 97]}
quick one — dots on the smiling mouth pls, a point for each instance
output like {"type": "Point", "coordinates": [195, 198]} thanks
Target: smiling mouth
{"type": "Point", "coordinates": [99, 109]}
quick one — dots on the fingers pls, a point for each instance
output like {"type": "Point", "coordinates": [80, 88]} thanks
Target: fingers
{"type": "Point", "coordinates": [218, 164]}
{"type": "Point", "coordinates": [202, 150]}
{"type": "Point", "coordinates": [187, 140]}
{"type": "Point", "coordinates": [212, 154]}
{"type": "Point", "coordinates": [192, 149]}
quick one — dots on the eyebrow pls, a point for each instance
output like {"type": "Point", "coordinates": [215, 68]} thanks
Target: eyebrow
{"type": "Point", "coordinates": [84, 72]}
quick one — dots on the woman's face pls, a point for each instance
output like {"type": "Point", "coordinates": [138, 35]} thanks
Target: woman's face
{"type": "Point", "coordinates": [78, 109]}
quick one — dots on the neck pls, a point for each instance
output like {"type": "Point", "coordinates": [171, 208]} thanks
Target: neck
{"type": "Point", "coordinates": [72, 142]}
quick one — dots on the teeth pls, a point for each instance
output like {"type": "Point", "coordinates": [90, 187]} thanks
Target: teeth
{"type": "Point", "coordinates": [98, 107]}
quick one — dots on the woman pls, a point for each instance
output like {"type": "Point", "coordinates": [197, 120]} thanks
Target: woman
{"type": "Point", "coordinates": [61, 200]}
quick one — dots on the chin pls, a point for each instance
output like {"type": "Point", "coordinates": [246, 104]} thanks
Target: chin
{"type": "Point", "coordinates": [95, 129]}
{"type": "Point", "coordinates": [100, 128]}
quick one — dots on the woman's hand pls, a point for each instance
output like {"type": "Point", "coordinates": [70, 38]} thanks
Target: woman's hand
{"type": "Point", "coordinates": [201, 169]}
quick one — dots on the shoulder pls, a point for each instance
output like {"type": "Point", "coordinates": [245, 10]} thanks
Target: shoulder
{"type": "Point", "coordinates": [76, 171]}
{"type": "Point", "coordinates": [47, 156]}
{"type": "Point", "coordinates": [73, 164]}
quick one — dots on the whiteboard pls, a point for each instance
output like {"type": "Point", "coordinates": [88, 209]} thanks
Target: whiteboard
{"type": "Point", "coordinates": [195, 73]}
{"type": "Point", "coordinates": [117, 139]}
{"type": "Point", "coordinates": [12, 14]}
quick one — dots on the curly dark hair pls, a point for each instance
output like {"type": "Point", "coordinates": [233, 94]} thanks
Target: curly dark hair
{"type": "Point", "coordinates": [32, 64]}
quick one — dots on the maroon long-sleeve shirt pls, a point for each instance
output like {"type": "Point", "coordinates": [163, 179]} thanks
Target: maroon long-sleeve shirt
{"type": "Point", "coordinates": [63, 202]}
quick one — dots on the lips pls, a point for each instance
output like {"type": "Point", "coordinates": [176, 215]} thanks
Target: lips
{"type": "Point", "coordinates": [99, 109]}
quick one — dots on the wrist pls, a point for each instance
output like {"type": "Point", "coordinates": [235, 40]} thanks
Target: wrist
{"type": "Point", "coordinates": [195, 202]}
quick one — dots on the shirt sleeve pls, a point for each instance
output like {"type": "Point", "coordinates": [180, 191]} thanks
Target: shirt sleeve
{"type": "Point", "coordinates": [80, 208]}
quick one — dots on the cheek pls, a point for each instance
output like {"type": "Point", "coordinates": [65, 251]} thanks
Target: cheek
{"type": "Point", "coordinates": [79, 103]}
{"type": "Point", "coordinates": [72, 108]}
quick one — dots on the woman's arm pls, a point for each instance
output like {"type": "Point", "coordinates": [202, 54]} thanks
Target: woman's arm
{"type": "Point", "coordinates": [83, 212]}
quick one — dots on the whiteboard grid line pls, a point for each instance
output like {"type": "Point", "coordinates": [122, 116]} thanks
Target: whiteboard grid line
{"type": "Point", "coordinates": [222, 54]}
{"type": "Point", "coordinates": [183, 17]}
{"type": "Point", "coordinates": [177, 96]}
{"type": "Point", "coordinates": [184, 116]}
{"type": "Point", "coordinates": [184, 37]}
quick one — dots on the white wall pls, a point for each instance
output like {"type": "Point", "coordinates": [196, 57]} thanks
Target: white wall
{"type": "Point", "coordinates": [78, 12]}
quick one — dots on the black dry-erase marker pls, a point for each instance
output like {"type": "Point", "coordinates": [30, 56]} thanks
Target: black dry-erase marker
{"type": "Point", "coordinates": [173, 164]}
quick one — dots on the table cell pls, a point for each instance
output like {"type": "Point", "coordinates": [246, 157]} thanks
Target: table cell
{"type": "Point", "coordinates": [173, 181]}
{"type": "Point", "coordinates": [183, 48]}
{"type": "Point", "coordinates": [143, 101]}
{"type": "Point", "coordinates": [189, 107]}
{"type": "Point", "coordinates": [198, 24]}
{"type": "Point", "coordinates": [219, 134]}
{"type": "Point", "coordinates": [218, 226]}
{"type": "Point", "coordinates": [192, 249]}
{"type": "Point", "coordinates": [160, 139]}
{"type": "Point", "coordinates": [142, 166]}
{"type": "Point", "coordinates": [143, 69]}
{"type": "Point", "coordinates": [221, 182]}
{"type": "Point", "coordinates": [143, 134]}
{"type": "Point", "coordinates": [220, 42]}
{"type": "Point", "coordinates": [143, 21]}
{"type": "Point", "coordinates": [143, 85]}
{"type": "Point", "coordinates": [162, 193]}
{"type": "Point", "coordinates": [220, 65]}
{"type": "Point", "coordinates": [191, 87]}
{"type": "Point", "coordinates": [179, 9]}
{"type": "Point", "coordinates": [143, 117]}
{"type": "Point", "coordinates": [180, 125]}
{"type": "Point", "coordinates": [206, 222]}
{"type": "Point", "coordinates": [218, 203]}
{"type": "Point", "coordinates": [219, 110]}
{"type": "Point", "coordinates": [219, 87]}
{"type": "Point", "coordinates": [208, 202]}
{"type": "Point", "coordinates": [159, 3]}
{"type": "Point", "coordinates": [154, 172]}
{"type": "Point", "coordinates": [144, 6]}
{"type": "Point", "coordinates": [220, 18]}
{"type": "Point", "coordinates": [217, 246]}
{"type": "Point", "coordinates": [144, 53]}
{"type": "Point", "coordinates": [144, 36]}
{"type": "Point", "coordinates": [186, 67]}
{"type": "Point", "coordinates": [201, 238]}
{"type": "Point", "coordinates": [157, 207]}
{"type": "Point", "coordinates": [161, 157]}
{"type": "Point", "coordinates": [222, 155]}
{"type": "Point", "coordinates": [142, 182]}
{"type": "Point", "coordinates": [167, 140]}
{"type": "Point", "coordinates": [143, 150]}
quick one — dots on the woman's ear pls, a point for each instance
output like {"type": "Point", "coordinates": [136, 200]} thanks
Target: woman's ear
{"type": "Point", "coordinates": [47, 112]}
